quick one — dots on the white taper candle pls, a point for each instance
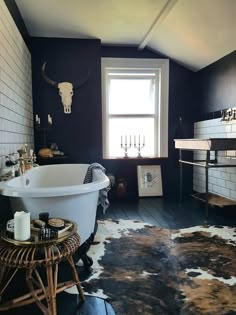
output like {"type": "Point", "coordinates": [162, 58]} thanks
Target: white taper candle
{"type": "Point", "coordinates": [21, 225]}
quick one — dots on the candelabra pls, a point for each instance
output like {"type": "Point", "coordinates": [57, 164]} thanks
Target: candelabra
{"type": "Point", "coordinates": [139, 146]}
{"type": "Point", "coordinates": [125, 146]}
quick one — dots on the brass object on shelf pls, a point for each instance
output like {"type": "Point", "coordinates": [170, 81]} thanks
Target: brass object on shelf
{"type": "Point", "coordinates": [45, 152]}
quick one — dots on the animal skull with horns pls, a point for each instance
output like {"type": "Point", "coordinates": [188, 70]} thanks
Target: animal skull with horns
{"type": "Point", "coordinates": [65, 89]}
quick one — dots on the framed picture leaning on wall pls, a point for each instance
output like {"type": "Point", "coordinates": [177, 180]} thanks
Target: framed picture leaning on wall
{"type": "Point", "coordinates": [149, 180]}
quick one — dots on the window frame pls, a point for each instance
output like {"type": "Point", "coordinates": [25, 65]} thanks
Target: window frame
{"type": "Point", "coordinates": [160, 66]}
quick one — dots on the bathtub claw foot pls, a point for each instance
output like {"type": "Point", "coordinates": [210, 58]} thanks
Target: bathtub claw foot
{"type": "Point", "coordinates": [87, 261]}
{"type": "Point", "coordinates": [82, 252]}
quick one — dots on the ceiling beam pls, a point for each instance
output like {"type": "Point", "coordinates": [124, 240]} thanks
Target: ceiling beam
{"type": "Point", "coordinates": [168, 6]}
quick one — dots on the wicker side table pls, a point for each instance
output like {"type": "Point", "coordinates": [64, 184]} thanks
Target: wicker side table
{"type": "Point", "coordinates": [31, 256]}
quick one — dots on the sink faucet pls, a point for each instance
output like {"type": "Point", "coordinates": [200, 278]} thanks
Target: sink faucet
{"type": "Point", "coordinates": [26, 159]}
{"type": "Point", "coordinates": [21, 161]}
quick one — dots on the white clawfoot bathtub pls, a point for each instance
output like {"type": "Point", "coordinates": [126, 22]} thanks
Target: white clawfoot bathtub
{"type": "Point", "coordinates": [59, 190]}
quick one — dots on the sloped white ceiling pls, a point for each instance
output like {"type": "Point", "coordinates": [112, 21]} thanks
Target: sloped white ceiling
{"type": "Point", "coordinates": [193, 32]}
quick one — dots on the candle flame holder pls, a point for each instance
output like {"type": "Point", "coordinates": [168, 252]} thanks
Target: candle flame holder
{"type": "Point", "coordinates": [139, 147]}
{"type": "Point", "coordinates": [125, 147]}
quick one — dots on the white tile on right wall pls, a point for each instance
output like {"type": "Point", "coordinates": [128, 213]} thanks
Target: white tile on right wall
{"type": "Point", "coordinates": [222, 181]}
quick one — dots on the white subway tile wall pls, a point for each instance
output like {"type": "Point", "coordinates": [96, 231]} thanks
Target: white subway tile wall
{"type": "Point", "coordinates": [16, 110]}
{"type": "Point", "coordinates": [222, 181]}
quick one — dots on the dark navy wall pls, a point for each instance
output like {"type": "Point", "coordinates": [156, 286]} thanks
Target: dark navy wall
{"type": "Point", "coordinates": [217, 85]}
{"type": "Point", "coordinates": [79, 134]}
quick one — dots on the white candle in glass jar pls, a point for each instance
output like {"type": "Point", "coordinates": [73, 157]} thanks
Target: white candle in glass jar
{"type": "Point", "coordinates": [21, 225]}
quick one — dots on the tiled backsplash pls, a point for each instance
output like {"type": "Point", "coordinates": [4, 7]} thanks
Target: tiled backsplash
{"type": "Point", "coordinates": [222, 181]}
{"type": "Point", "coordinates": [16, 112]}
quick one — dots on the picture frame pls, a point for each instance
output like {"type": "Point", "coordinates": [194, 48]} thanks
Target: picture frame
{"type": "Point", "coordinates": [149, 180]}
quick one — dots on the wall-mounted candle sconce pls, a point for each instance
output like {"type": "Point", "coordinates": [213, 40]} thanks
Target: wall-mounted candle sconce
{"type": "Point", "coordinates": [44, 129]}
{"type": "Point", "coordinates": [38, 120]}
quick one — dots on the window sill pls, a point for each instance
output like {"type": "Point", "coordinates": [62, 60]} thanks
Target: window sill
{"type": "Point", "coordinates": [134, 158]}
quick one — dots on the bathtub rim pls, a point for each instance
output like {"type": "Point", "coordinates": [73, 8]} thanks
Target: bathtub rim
{"type": "Point", "coordinates": [13, 191]}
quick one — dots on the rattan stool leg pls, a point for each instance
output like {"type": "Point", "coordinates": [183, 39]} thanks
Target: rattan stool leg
{"type": "Point", "coordinates": [3, 274]}
{"type": "Point", "coordinates": [76, 278]}
{"type": "Point", "coordinates": [51, 299]}
{"type": "Point", "coordinates": [38, 294]}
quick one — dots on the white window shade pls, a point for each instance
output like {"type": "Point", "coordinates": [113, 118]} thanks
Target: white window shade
{"type": "Point", "coordinates": [131, 95]}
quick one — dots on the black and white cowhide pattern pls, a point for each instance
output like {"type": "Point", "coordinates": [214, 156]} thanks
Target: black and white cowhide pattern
{"type": "Point", "coordinates": [143, 269]}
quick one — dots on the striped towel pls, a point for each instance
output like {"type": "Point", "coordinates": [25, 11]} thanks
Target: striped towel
{"type": "Point", "coordinates": [103, 193]}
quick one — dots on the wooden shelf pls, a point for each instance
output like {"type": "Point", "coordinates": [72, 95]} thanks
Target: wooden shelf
{"type": "Point", "coordinates": [56, 159]}
{"type": "Point", "coordinates": [215, 200]}
{"type": "Point", "coordinates": [207, 145]}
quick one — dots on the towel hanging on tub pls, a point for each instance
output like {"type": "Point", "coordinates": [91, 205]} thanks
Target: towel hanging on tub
{"type": "Point", "coordinates": [103, 193]}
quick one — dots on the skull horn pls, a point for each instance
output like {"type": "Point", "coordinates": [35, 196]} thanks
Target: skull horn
{"type": "Point", "coordinates": [46, 78]}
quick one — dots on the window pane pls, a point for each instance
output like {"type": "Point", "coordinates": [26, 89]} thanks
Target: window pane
{"type": "Point", "coordinates": [128, 128]}
{"type": "Point", "coordinates": [131, 96]}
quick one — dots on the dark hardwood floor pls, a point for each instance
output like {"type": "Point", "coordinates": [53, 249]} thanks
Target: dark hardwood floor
{"type": "Point", "coordinates": [161, 212]}
{"type": "Point", "coordinates": [168, 213]}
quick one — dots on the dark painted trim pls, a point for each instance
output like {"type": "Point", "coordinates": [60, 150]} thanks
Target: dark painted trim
{"type": "Point", "coordinates": [211, 115]}
{"type": "Point", "coordinates": [15, 13]}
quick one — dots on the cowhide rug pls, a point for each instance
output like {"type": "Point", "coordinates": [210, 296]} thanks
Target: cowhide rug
{"type": "Point", "coordinates": [141, 269]}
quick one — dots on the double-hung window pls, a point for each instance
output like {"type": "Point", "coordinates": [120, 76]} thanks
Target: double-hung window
{"type": "Point", "coordinates": [135, 107]}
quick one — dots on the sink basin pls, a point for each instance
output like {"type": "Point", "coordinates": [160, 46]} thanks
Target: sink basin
{"type": "Point", "coordinates": [211, 144]}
